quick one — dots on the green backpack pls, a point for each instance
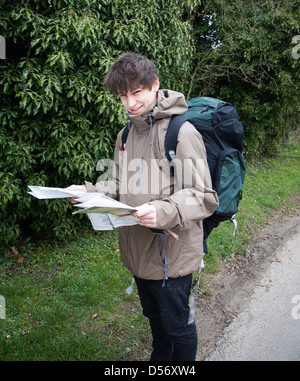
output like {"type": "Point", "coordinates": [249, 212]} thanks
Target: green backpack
{"type": "Point", "coordinates": [222, 132]}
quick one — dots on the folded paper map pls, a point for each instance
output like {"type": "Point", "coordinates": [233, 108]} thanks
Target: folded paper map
{"type": "Point", "coordinates": [104, 212]}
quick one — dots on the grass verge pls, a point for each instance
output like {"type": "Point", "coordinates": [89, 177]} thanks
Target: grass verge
{"type": "Point", "coordinates": [272, 186]}
{"type": "Point", "coordinates": [68, 302]}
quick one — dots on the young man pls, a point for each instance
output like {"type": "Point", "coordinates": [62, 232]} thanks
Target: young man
{"type": "Point", "coordinates": [162, 266]}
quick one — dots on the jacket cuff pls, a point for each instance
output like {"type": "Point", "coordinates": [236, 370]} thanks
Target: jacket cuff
{"type": "Point", "coordinates": [166, 214]}
{"type": "Point", "coordinates": [90, 187]}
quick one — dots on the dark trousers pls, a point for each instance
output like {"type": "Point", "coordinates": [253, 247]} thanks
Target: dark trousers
{"type": "Point", "coordinates": [167, 308]}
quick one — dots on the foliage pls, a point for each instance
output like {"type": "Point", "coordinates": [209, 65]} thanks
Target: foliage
{"type": "Point", "coordinates": [68, 303]}
{"type": "Point", "coordinates": [56, 119]}
{"type": "Point", "coordinates": [244, 56]}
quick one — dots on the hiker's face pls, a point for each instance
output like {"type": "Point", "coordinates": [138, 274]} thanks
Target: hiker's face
{"type": "Point", "coordinates": [139, 99]}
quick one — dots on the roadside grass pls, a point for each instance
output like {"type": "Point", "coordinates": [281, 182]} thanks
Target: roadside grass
{"type": "Point", "coordinates": [67, 302]}
{"type": "Point", "coordinates": [272, 186]}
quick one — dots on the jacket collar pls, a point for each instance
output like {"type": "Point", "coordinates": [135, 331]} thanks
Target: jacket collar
{"type": "Point", "coordinates": [167, 104]}
{"type": "Point", "coordinates": [142, 121]}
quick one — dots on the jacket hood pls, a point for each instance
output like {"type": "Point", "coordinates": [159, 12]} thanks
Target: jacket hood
{"type": "Point", "coordinates": [168, 103]}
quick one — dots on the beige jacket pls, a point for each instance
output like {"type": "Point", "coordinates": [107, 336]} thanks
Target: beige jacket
{"type": "Point", "coordinates": [182, 202]}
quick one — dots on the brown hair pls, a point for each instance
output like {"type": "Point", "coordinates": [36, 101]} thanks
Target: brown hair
{"type": "Point", "coordinates": [130, 71]}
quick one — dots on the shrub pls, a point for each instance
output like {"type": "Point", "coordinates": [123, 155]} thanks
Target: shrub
{"type": "Point", "coordinates": [56, 119]}
{"type": "Point", "coordinates": [244, 56]}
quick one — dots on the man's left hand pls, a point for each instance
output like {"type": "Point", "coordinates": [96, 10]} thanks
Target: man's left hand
{"type": "Point", "coordinates": [146, 213]}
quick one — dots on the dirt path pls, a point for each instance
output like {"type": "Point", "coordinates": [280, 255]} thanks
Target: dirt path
{"type": "Point", "coordinates": [233, 285]}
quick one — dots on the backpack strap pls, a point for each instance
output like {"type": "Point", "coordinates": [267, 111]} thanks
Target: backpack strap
{"type": "Point", "coordinates": [125, 135]}
{"type": "Point", "coordinates": [170, 149]}
{"type": "Point", "coordinates": [172, 136]}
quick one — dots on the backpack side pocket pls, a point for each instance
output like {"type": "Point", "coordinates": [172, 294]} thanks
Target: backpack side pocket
{"type": "Point", "coordinates": [229, 181]}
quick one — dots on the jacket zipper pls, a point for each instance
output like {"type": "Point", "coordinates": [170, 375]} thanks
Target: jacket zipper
{"type": "Point", "coordinates": [138, 183]}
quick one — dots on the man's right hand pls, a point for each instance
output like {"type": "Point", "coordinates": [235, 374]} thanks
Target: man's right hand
{"type": "Point", "coordinates": [80, 188]}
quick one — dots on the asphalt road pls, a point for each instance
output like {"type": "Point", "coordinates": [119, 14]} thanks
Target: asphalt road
{"type": "Point", "coordinates": [268, 328]}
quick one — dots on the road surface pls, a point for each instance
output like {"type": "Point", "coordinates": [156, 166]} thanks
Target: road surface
{"type": "Point", "coordinates": [268, 327]}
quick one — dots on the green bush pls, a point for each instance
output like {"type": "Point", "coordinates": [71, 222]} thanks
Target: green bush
{"type": "Point", "coordinates": [244, 56]}
{"type": "Point", "coordinates": [56, 119]}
